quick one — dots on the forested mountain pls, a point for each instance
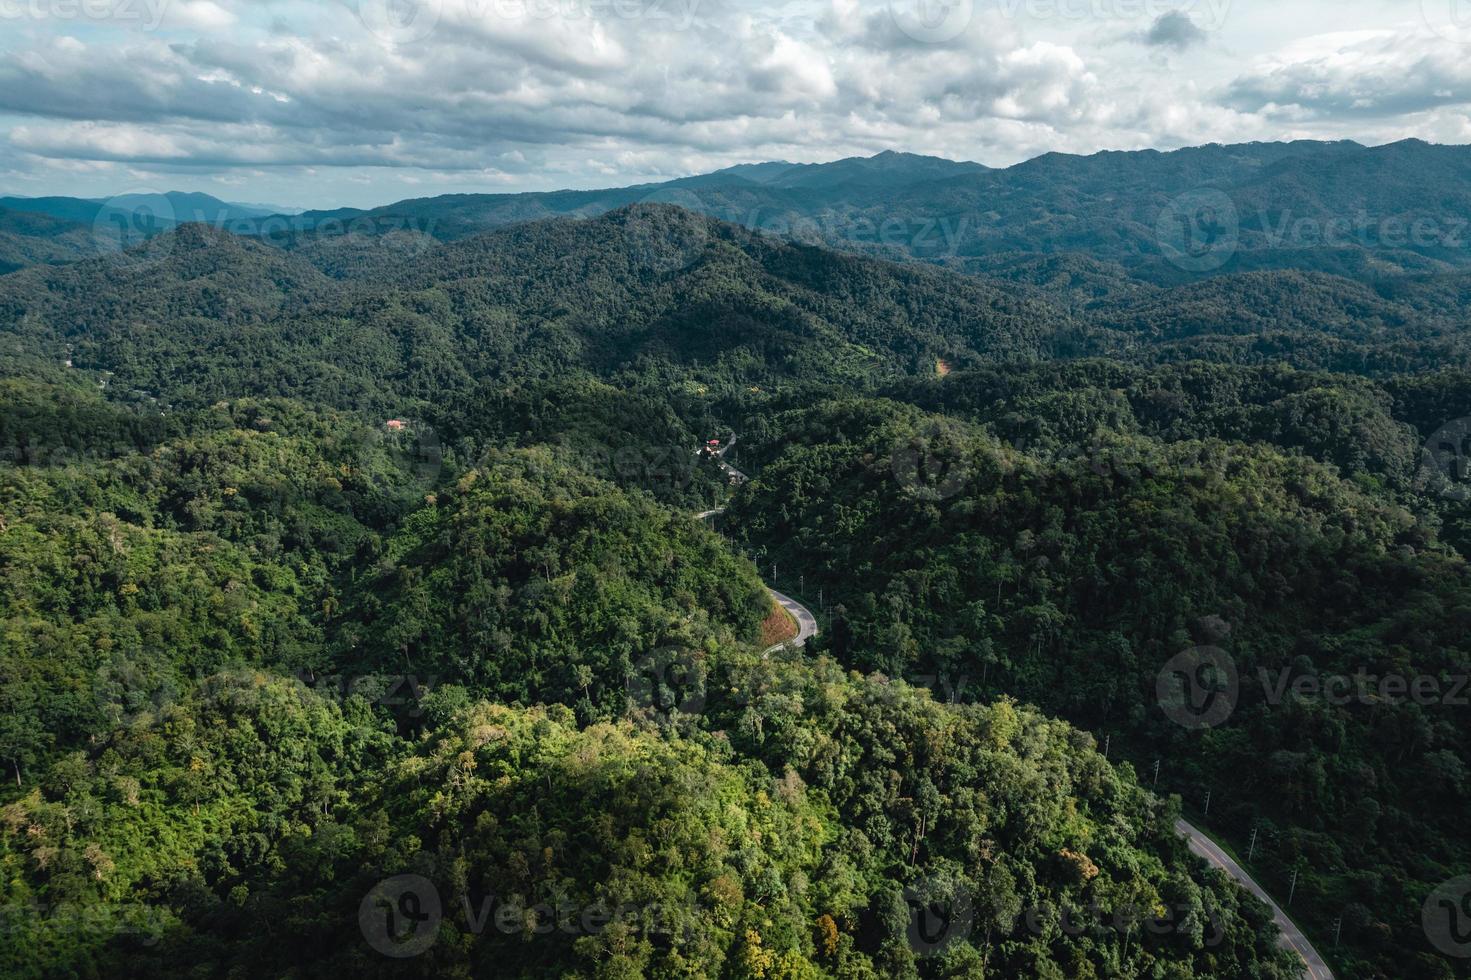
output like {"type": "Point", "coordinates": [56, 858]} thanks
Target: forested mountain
{"type": "Point", "coordinates": [198, 314]}
{"type": "Point", "coordinates": [1305, 205]}
{"type": "Point", "coordinates": [35, 239]}
{"type": "Point", "coordinates": [245, 669]}
{"type": "Point", "coordinates": [369, 550]}
{"type": "Point", "coordinates": [1165, 218]}
{"type": "Point", "coordinates": [1070, 573]}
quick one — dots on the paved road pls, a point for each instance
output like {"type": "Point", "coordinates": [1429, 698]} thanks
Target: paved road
{"type": "Point", "coordinates": [1292, 937]}
{"type": "Point", "coordinates": [1313, 966]}
{"type": "Point", "coordinates": [806, 622]}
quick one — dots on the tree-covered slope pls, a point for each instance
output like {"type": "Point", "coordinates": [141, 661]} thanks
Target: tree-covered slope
{"type": "Point", "coordinates": [528, 847]}
{"type": "Point", "coordinates": [35, 239]}
{"type": "Point", "coordinates": [199, 315]}
{"type": "Point", "coordinates": [532, 582]}
{"type": "Point", "coordinates": [1071, 576]}
{"type": "Point", "coordinates": [329, 559]}
{"type": "Point", "coordinates": [246, 659]}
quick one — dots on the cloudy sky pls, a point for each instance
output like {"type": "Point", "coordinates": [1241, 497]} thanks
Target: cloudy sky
{"type": "Point", "coordinates": [360, 102]}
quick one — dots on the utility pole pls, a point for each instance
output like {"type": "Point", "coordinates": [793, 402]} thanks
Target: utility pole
{"type": "Point", "coordinates": [1207, 802]}
{"type": "Point", "coordinates": [1337, 930]}
{"type": "Point", "coordinates": [1252, 850]}
{"type": "Point", "coordinates": [801, 584]}
{"type": "Point", "coordinates": [1106, 740]}
{"type": "Point", "coordinates": [1293, 890]}
{"type": "Point", "coordinates": [1156, 774]}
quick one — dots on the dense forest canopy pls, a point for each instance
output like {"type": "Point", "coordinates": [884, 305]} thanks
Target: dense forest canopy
{"type": "Point", "coordinates": [355, 618]}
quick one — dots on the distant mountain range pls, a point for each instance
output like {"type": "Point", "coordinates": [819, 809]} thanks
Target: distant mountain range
{"type": "Point", "coordinates": [1100, 222]}
{"type": "Point", "coordinates": [1159, 217]}
{"type": "Point", "coordinates": [131, 216]}
{"type": "Point", "coordinates": [51, 230]}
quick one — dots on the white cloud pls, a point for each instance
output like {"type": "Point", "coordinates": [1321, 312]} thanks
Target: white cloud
{"type": "Point", "coordinates": [312, 106]}
{"type": "Point", "coordinates": [1358, 73]}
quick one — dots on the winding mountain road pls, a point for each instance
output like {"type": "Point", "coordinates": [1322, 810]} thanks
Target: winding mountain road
{"type": "Point", "coordinates": [806, 622]}
{"type": "Point", "coordinates": [1313, 965]}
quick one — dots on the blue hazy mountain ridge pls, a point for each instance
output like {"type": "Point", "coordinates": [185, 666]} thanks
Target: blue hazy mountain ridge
{"type": "Point", "coordinates": [167, 209]}
{"type": "Point", "coordinates": [1307, 205]}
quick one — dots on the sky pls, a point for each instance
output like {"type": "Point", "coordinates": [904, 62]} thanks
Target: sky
{"type": "Point", "coordinates": [327, 103]}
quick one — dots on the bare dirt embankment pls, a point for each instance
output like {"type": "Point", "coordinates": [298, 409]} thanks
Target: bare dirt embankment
{"type": "Point", "coordinates": [778, 627]}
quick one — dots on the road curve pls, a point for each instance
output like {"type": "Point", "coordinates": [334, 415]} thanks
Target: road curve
{"type": "Point", "coordinates": [806, 622]}
{"type": "Point", "coordinates": [1314, 968]}
{"type": "Point", "coordinates": [1292, 937]}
